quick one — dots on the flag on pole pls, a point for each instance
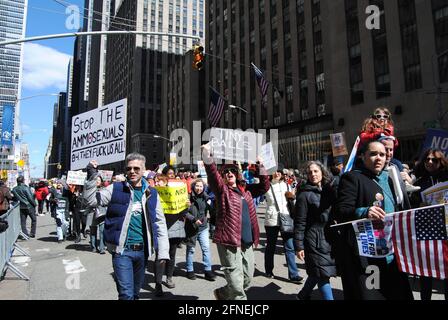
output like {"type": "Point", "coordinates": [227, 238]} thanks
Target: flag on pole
{"type": "Point", "coordinates": [216, 107]}
{"type": "Point", "coordinates": [262, 82]}
{"type": "Point", "coordinates": [420, 241]}
{"type": "Point", "coordinates": [352, 158]}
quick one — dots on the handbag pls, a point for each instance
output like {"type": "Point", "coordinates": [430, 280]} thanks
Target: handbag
{"type": "Point", "coordinates": [285, 221]}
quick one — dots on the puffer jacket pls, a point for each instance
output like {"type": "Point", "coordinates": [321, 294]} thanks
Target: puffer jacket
{"type": "Point", "coordinates": [313, 206]}
{"type": "Point", "coordinates": [229, 208]}
{"type": "Point", "coordinates": [271, 216]}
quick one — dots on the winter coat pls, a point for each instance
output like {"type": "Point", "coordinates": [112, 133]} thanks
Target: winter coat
{"type": "Point", "coordinates": [271, 216]}
{"type": "Point", "coordinates": [229, 208]}
{"type": "Point", "coordinates": [313, 206]}
{"type": "Point", "coordinates": [23, 194]}
{"type": "Point", "coordinates": [41, 193]}
{"type": "Point", "coordinates": [200, 207]}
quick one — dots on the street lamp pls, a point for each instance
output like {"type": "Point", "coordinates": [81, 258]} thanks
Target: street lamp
{"type": "Point", "coordinates": [231, 106]}
{"type": "Point", "coordinates": [160, 137]}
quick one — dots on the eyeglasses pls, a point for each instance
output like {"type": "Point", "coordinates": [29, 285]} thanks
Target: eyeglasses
{"type": "Point", "coordinates": [136, 169]}
{"type": "Point", "coordinates": [232, 170]}
{"type": "Point", "coordinates": [434, 160]}
{"type": "Point", "coordinates": [381, 116]}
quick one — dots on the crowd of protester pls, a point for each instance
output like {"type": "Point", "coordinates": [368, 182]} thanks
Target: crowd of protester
{"type": "Point", "coordinates": [124, 217]}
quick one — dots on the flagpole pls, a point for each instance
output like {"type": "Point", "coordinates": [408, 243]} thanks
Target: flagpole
{"type": "Point", "coordinates": [391, 214]}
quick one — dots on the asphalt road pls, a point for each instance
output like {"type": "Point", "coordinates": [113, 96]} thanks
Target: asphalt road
{"type": "Point", "coordinates": [70, 271]}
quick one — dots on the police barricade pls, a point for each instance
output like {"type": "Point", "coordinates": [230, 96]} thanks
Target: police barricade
{"type": "Point", "coordinates": [8, 243]}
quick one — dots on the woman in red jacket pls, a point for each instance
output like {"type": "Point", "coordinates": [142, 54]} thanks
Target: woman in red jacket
{"type": "Point", "coordinates": [41, 193]}
{"type": "Point", "coordinates": [237, 230]}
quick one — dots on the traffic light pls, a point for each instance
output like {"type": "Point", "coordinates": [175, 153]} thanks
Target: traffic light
{"type": "Point", "coordinates": [198, 57]}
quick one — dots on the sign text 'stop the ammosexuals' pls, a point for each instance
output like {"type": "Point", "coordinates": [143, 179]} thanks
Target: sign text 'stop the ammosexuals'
{"type": "Point", "coordinates": [99, 135]}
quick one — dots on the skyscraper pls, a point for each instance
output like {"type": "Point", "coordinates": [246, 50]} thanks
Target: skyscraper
{"type": "Point", "coordinates": [12, 26]}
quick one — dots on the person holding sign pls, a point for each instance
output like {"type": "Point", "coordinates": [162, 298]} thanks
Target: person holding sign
{"type": "Point", "coordinates": [134, 228]}
{"type": "Point", "coordinates": [237, 230]}
{"type": "Point", "coordinates": [368, 192]}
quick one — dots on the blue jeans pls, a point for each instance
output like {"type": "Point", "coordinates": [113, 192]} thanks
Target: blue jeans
{"type": "Point", "coordinates": [322, 283]}
{"type": "Point", "coordinates": [129, 269]}
{"type": "Point", "coordinates": [205, 247]}
{"type": "Point", "coordinates": [96, 238]}
{"type": "Point", "coordinates": [288, 245]}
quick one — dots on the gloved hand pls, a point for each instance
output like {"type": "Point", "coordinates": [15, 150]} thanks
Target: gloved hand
{"type": "Point", "coordinates": [3, 225]}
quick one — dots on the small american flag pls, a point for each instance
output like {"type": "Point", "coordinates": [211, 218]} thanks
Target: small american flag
{"type": "Point", "coordinates": [262, 83]}
{"type": "Point", "coordinates": [216, 107]}
{"type": "Point", "coordinates": [421, 243]}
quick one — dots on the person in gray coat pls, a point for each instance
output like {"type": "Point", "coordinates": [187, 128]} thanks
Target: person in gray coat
{"type": "Point", "coordinates": [134, 228]}
{"type": "Point", "coordinates": [23, 194]}
{"type": "Point", "coordinates": [313, 206]}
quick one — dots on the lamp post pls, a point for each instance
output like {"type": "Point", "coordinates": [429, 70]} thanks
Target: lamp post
{"type": "Point", "coordinates": [231, 106]}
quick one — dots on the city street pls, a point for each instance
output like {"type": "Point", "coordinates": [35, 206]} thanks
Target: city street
{"type": "Point", "coordinates": [70, 271]}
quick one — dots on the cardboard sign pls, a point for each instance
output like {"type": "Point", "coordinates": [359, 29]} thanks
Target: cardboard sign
{"type": "Point", "coordinates": [174, 199]}
{"type": "Point", "coordinates": [235, 145]}
{"type": "Point", "coordinates": [106, 175]}
{"type": "Point", "coordinates": [99, 135]}
{"type": "Point", "coordinates": [338, 144]}
{"type": "Point", "coordinates": [76, 178]}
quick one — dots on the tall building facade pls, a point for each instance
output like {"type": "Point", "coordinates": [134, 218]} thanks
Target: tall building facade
{"type": "Point", "coordinates": [327, 68]}
{"type": "Point", "coordinates": [135, 65]}
{"type": "Point", "coordinates": [59, 137]}
{"type": "Point", "coordinates": [12, 26]}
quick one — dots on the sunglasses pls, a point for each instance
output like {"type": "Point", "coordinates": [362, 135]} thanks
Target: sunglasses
{"type": "Point", "coordinates": [136, 169]}
{"type": "Point", "coordinates": [381, 116]}
{"type": "Point", "coordinates": [434, 160]}
{"type": "Point", "coordinates": [226, 171]}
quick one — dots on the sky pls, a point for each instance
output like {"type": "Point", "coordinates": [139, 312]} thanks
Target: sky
{"type": "Point", "coordinates": [45, 68]}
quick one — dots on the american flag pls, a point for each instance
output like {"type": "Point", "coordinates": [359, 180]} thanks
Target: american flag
{"type": "Point", "coordinates": [262, 83]}
{"type": "Point", "coordinates": [216, 107]}
{"type": "Point", "coordinates": [421, 243]}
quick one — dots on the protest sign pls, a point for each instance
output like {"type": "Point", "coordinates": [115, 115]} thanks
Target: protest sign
{"type": "Point", "coordinates": [76, 178]}
{"type": "Point", "coordinates": [352, 158]}
{"type": "Point", "coordinates": [161, 167]}
{"type": "Point", "coordinates": [106, 175]}
{"type": "Point", "coordinates": [235, 145]}
{"type": "Point", "coordinates": [174, 199]}
{"type": "Point", "coordinates": [201, 169]}
{"type": "Point", "coordinates": [437, 194]}
{"type": "Point", "coordinates": [99, 135]}
{"type": "Point", "coordinates": [268, 156]}
{"type": "Point", "coordinates": [374, 238]}
{"type": "Point", "coordinates": [338, 144]}
{"type": "Point", "coordinates": [436, 139]}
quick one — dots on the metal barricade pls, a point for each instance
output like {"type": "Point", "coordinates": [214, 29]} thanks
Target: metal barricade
{"type": "Point", "coordinates": [8, 243]}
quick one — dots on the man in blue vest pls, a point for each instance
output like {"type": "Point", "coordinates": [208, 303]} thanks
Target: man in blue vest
{"type": "Point", "coordinates": [135, 226]}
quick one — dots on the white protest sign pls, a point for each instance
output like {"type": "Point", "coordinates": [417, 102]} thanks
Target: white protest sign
{"type": "Point", "coordinates": [201, 169]}
{"type": "Point", "coordinates": [76, 177]}
{"type": "Point", "coordinates": [106, 175]}
{"type": "Point", "coordinates": [374, 237]}
{"type": "Point", "coordinates": [161, 167]}
{"type": "Point", "coordinates": [235, 145]}
{"type": "Point", "coordinates": [267, 154]}
{"type": "Point", "coordinates": [99, 135]}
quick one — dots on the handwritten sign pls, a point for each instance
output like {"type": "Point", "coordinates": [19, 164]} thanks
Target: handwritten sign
{"type": "Point", "coordinates": [173, 198]}
{"type": "Point", "coordinates": [76, 178]}
{"type": "Point", "coordinates": [106, 175]}
{"type": "Point", "coordinates": [338, 144]}
{"type": "Point", "coordinates": [237, 145]}
{"type": "Point", "coordinates": [99, 135]}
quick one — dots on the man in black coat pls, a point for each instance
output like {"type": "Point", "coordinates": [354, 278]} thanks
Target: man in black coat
{"type": "Point", "coordinates": [23, 194]}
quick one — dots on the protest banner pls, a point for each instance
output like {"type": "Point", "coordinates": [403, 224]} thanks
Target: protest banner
{"type": "Point", "coordinates": [338, 144]}
{"type": "Point", "coordinates": [374, 238]}
{"type": "Point", "coordinates": [437, 194]}
{"type": "Point", "coordinates": [436, 139]}
{"type": "Point", "coordinates": [174, 199]}
{"type": "Point", "coordinates": [235, 145]}
{"type": "Point", "coordinates": [76, 178]}
{"type": "Point", "coordinates": [99, 135]}
{"type": "Point", "coordinates": [268, 156]}
{"type": "Point", "coordinates": [7, 125]}
{"type": "Point", "coordinates": [351, 160]}
{"type": "Point", "coordinates": [106, 175]}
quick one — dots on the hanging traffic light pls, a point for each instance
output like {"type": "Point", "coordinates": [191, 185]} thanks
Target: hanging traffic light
{"type": "Point", "coordinates": [198, 57]}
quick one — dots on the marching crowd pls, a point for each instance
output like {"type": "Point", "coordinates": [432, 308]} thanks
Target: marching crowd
{"type": "Point", "coordinates": [126, 217]}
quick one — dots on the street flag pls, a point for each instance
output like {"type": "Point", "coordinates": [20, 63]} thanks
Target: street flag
{"type": "Point", "coordinates": [420, 241]}
{"type": "Point", "coordinates": [7, 125]}
{"type": "Point", "coordinates": [352, 158]}
{"type": "Point", "coordinates": [216, 107]}
{"type": "Point", "coordinates": [262, 82]}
